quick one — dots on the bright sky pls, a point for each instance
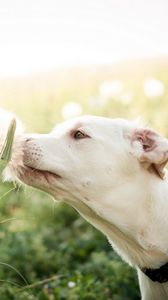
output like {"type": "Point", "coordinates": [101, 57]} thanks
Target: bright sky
{"type": "Point", "coordinates": [38, 35]}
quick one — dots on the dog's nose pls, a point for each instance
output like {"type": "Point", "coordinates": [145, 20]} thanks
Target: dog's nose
{"type": "Point", "coordinates": [33, 147]}
{"type": "Point", "coordinates": [32, 151]}
{"type": "Point", "coordinates": [28, 140]}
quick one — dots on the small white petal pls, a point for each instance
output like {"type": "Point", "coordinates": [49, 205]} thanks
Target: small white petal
{"type": "Point", "coordinates": [71, 284]}
{"type": "Point", "coordinates": [153, 88]}
{"type": "Point", "coordinates": [71, 110]}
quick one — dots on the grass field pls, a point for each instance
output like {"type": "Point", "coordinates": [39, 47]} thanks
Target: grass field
{"type": "Point", "coordinates": [47, 251]}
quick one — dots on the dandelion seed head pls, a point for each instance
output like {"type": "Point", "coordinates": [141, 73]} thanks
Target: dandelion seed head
{"type": "Point", "coordinates": [71, 110]}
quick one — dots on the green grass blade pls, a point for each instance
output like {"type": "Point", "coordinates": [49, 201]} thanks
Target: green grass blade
{"type": "Point", "coordinates": [6, 152]}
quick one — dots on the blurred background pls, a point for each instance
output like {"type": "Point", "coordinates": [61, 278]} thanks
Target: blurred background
{"type": "Point", "coordinates": [60, 59]}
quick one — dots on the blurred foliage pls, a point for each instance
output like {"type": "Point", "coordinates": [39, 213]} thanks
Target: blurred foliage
{"type": "Point", "coordinates": [47, 251]}
{"type": "Point", "coordinates": [45, 247]}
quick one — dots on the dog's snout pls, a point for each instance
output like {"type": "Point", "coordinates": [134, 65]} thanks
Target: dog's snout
{"type": "Point", "coordinates": [32, 152]}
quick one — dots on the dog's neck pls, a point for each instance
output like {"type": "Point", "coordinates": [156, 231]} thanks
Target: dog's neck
{"type": "Point", "coordinates": [143, 246]}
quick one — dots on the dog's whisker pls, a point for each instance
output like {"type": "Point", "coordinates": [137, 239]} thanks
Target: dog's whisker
{"type": "Point", "coordinates": [53, 208]}
{"type": "Point", "coordinates": [5, 194]}
{"type": "Point", "coordinates": [18, 187]}
{"type": "Point", "coordinates": [29, 162]}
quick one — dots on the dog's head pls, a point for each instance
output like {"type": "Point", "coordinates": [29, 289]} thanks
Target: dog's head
{"type": "Point", "coordinates": [89, 156]}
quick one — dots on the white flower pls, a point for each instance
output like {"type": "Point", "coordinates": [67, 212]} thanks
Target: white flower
{"type": "Point", "coordinates": [111, 88]}
{"type": "Point", "coordinates": [71, 284]}
{"type": "Point", "coordinates": [126, 98]}
{"type": "Point", "coordinates": [153, 88]}
{"type": "Point", "coordinates": [71, 110]}
{"type": "Point", "coordinates": [5, 119]}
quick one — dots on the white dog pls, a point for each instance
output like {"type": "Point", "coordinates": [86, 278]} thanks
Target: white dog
{"type": "Point", "coordinates": [112, 172]}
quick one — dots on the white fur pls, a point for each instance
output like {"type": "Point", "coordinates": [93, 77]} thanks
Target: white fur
{"type": "Point", "coordinates": [102, 176]}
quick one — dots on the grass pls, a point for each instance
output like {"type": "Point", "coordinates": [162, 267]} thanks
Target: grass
{"type": "Point", "coordinates": [50, 246]}
{"type": "Point", "coordinates": [47, 251]}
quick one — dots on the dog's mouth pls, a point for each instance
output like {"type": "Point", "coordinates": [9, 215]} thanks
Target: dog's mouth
{"type": "Point", "coordinates": [46, 174]}
{"type": "Point", "coordinates": [38, 178]}
{"type": "Point", "coordinates": [31, 173]}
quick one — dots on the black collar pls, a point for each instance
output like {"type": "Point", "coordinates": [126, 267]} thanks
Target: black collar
{"type": "Point", "coordinates": [159, 275]}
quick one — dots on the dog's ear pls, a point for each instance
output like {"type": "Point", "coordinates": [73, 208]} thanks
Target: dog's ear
{"type": "Point", "coordinates": [151, 149]}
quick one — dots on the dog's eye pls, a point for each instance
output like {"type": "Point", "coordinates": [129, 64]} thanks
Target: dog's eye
{"type": "Point", "coordinates": [79, 135]}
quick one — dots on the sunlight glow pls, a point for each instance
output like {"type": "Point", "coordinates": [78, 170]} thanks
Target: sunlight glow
{"type": "Point", "coordinates": [111, 89]}
{"type": "Point", "coordinates": [153, 88]}
{"type": "Point", "coordinates": [41, 35]}
{"type": "Point", "coordinates": [71, 110]}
